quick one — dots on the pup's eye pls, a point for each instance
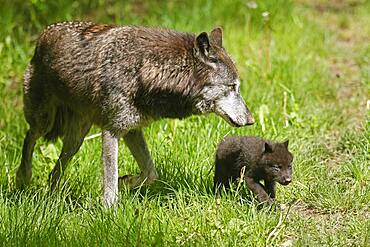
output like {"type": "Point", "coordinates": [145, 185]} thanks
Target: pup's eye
{"type": "Point", "coordinates": [277, 167]}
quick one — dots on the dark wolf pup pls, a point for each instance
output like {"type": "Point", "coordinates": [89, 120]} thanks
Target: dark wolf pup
{"type": "Point", "coordinates": [122, 78]}
{"type": "Point", "coordinates": [253, 159]}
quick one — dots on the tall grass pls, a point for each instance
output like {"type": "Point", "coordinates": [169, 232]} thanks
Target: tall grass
{"type": "Point", "coordinates": [283, 58]}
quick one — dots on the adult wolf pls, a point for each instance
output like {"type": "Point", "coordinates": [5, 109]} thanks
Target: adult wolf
{"type": "Point", "coordinates": [122, 78]}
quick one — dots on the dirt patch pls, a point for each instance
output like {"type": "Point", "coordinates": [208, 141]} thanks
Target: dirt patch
{"type": "Point", "coordinates": [332, 5]}
{"type": "Point", "coordinates": [309, 212]}
{"type": "Point", "coordinates": [349, 39]}
{"type": "Point", "coordinates": [14, 83]}
{"type": "Point", "coordinates": [345, 74]}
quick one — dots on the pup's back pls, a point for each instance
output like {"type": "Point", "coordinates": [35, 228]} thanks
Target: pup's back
{"type": "Point", "coordinates": [232, 154]}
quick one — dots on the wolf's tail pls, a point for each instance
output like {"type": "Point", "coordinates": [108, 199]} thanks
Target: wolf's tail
{"type": "Point", "coordinates": [60, 121]}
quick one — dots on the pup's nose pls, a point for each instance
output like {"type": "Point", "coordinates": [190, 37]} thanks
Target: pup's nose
{"type": "Point", "coordinates": [287, 180]}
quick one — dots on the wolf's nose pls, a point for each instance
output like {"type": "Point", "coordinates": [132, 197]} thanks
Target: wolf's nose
{"type": "Point", "coordinates": [250, 120]}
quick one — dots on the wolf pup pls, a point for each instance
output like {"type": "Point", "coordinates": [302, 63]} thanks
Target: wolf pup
{"type": "Point", "coordinates": [122, 78]}
{"type": "Point", "coordinates": [253, 159]}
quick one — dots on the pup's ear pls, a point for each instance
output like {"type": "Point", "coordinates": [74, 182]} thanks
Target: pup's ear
{"type": "Point", "coordinates": [202, 44]}
{"type": "Point", "coordinates": [267, 148]}
{"type": "Point", "coordinates": [286, 143]}
{"type": "Point", "coordinates": [216, 36]}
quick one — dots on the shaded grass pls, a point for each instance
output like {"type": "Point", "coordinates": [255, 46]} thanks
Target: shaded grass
{"type": "Point", "coordinates": [284, 57]}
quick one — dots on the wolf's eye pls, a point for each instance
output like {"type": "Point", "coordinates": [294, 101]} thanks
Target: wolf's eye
{"type": "Point", "coordinates": [232, 87]}
{"type": "Point", "coordinates": [213, 59]}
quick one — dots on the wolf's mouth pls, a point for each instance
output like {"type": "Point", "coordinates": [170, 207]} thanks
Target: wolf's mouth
{"type": "Point", "coordinates": [233, 122]}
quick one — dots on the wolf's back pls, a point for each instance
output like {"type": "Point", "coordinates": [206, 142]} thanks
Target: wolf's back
{"type": "Point", "coordinates": [71, 58]}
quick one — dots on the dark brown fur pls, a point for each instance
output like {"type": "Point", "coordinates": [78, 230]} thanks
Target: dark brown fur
{"type": "Point", "coordinates": [263, 160]}
{"type": "Point", "coordinates": [96, 29]}
{"type": "Point", "coordinates": [122, 78]}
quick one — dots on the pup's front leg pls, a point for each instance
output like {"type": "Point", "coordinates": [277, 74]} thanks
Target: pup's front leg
{"type": "Point", "coordinates": [258, 190]}
{"type": "Point", "coordinates": [270, 187]}
{"type": "Point", "coordinates": [110, 168]}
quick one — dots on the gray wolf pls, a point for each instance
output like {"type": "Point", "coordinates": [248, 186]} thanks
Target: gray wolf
{"type": "Point", "coordinates": [253, 159]}
{"type": "Point", "coordinates": [122, 78]}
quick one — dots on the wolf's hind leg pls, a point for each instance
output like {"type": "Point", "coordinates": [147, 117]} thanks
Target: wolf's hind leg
{"type": "Point", "coordinates": [41, 121]}
{"type": "Point", "coordinates": [24, 172]}
{"type": "Point", "coordinates": [135, 141]}
{"type": "Point", "coordinates": [72, 141]}
{"type": "Point", "coordinates": [40, 114]}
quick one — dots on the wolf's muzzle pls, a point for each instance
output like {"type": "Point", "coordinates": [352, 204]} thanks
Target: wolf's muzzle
{"type": "Point", "coordinates": [250, 119]}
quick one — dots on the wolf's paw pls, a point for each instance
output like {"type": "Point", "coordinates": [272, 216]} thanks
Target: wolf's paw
{"type": "Point", "coordinates": [127, 181]}
{"type": "Point", "coordinates": [23, 178]}
{"type": "Point", "coordinates": [132, 181]}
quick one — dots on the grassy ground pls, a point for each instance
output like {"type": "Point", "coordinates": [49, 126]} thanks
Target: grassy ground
{"type": "Point", "coordinates": [305, 73]}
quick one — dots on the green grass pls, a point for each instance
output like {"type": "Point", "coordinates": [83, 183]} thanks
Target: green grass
{"type": "Point", "coordinates": [288, 64]}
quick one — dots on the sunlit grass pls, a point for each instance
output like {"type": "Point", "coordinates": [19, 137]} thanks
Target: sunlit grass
{"type": "Point", "coordinates": [284, 64]}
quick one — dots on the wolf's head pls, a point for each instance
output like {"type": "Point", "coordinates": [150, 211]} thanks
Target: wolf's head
{"type": "Point", "coordinates": [220, 91]}
{"type": "Point", "coordinates": [277, 162]}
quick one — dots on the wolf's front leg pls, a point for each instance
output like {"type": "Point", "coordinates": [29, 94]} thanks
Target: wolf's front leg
{"type": "Point", "coordinates": [110, 168]}
{"type": "Point", "coordinates": [135, 141]}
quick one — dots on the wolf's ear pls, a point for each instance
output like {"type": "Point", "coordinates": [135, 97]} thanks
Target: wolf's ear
{"type": "Point", "coordinates": [286, 143]}
{"type": "Point", "coordinates": [216, 36]}
{"type": "Point", "coordinates": [267, 148]}
{"type": "Point", "coordinates": [202, 44]}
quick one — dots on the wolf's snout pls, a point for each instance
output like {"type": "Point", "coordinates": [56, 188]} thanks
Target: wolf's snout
{"type": "Point", "coordinates": [243, 121]}
{"type": "Point", "coordinates": [247, 119]}
{"type": "Point", "coordinates": [234, 110]}
{"type": "Point", "coordinates": [250, 119]}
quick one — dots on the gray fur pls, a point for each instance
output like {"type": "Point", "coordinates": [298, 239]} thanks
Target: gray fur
{"type": "Point", "coordinates": [122, 78]}
{"type": "Point", "coordinates": [110, 167]}
{"type": "Point", "coordinates": [135, 141]}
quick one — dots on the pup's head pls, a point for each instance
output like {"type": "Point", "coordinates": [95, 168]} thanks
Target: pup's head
{"type": "Point", "coordinates": [220, 91]}
{"type": "Point", "coordinates": [277, 162]}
